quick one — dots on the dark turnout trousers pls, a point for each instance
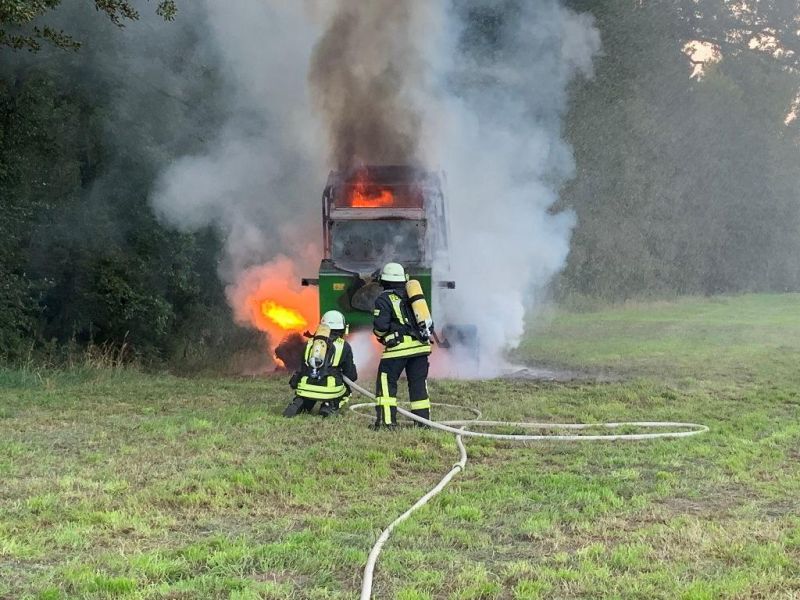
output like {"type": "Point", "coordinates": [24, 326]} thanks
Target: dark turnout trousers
{"type": "Point", "coordinates": [389, 370]}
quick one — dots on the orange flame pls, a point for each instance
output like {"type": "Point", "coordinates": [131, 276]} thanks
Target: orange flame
{"type": "Point", "coordinates": [270, 298]}
{"type": "Point", "coordinates": [364, 196]}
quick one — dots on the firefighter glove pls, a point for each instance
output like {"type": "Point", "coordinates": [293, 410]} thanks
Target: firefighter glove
{"type": "Point", "coordinates": [391, 340]}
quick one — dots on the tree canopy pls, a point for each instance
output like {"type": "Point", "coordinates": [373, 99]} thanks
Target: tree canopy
{"type": "Point", "coordinates": [21, 24]}
{"type": "Point", "coordinates": [684, 185]}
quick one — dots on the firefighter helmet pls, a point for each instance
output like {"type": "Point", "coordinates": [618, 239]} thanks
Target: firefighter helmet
{"type": "Point", "coordinates": [393, 273]}
{"type": "Point", "coordinates": [333, 319]}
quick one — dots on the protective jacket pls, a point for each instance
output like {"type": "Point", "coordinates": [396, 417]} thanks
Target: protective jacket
{"type": "Point", "coordinates": [393, 325]}
{"type": "Point", "coordinates": [328, 383]}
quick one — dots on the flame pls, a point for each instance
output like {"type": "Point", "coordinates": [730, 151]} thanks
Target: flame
{"type": "Point", "coordinates": [365, 196]}
{"type": "Point", "coordinates": [270, 298]}
{"type": "Point", "coordinates": [286, 318]}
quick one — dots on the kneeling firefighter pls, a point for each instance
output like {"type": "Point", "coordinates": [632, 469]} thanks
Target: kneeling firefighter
{"type": "Point", "coordinates": [406, 341]}
{"type": "Point", "coordinates": [326, 358]}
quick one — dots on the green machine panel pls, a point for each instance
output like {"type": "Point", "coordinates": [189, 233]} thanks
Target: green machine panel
{"type": "Point", "coordinates": [354, 296]}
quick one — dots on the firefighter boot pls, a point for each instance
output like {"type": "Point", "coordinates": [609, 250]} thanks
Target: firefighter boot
{"type": "Point", "coordinates": [298, 405]}
{"type": "Point", "coordinates": [329, 408]}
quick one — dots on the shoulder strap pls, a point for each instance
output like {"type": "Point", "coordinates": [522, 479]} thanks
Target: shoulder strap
{"type": "Point", "coordinates": [397, 308]}
{"type": "Point", "coordinates": [338, 349]}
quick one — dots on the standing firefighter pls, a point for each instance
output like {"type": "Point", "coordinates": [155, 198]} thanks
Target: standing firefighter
{"type": "Point", "coordinates": [326, 358]}
{"type": "Point", "coordinates": [406, 346]}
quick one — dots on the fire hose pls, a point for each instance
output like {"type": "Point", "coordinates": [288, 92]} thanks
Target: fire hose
{"type": "Point", "coordinates": [458, 427]}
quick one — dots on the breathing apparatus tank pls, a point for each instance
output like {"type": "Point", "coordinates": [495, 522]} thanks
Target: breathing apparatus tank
{"type": "Point", "coordinates": [319, 349]}
{"type": "Point", "coordinates": [419, 306]}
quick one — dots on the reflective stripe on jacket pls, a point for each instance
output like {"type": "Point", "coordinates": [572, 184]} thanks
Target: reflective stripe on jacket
{"type": "Point", "coordinates": [392, 322]}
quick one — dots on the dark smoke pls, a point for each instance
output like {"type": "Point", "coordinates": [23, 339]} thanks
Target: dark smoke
{"type": "Point", "coordinates": [290, 351]}
{"type": "Point", "coordinates": [362, 75]}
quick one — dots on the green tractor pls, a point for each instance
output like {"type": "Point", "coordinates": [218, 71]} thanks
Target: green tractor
{"type": "Point", "coordinates": [377, 214]}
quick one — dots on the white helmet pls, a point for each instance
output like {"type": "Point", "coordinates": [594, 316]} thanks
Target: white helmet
{"type": "Point", "coordinates": [393, 272]}
{"type": "Point", "coordinates": [333, 319]}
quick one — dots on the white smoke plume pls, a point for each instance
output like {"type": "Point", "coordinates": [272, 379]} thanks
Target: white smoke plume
{"type": "Point", "coordinates": [320, 85]}
{"type": "Point", "coordinates": [260, 181]}
{"type": "Point", "coordinates": [498, 137]}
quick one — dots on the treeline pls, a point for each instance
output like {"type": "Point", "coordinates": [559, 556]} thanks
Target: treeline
{"type": "Point", "coordinates": [83, 260]}
{"type": "Point", "coordinates": [686, 185]}
{"type": "Point", "coordinates": [683, 185]}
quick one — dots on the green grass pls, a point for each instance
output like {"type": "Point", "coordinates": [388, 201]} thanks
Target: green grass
{"type": "Point", "coordinates": [718, 338]}
{"type": "Point", "coordinates": [118, 484]}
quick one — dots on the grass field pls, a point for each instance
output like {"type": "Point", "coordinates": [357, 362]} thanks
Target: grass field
{"type": "Point", "coordinates": [117, 484]}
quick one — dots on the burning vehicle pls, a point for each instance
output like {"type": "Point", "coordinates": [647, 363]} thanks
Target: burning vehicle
{"type": "Point", "coordinates": [370, 216]}
{"type": "Point", "coordinates": [376, 214]}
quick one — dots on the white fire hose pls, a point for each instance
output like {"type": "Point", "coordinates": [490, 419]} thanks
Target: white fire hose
{"type": "Point", "coordinates": [458, 428]}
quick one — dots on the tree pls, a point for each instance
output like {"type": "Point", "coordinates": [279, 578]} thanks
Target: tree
{"type": "Point", "coordinates": [734, 26]}
{"type": "Point", "coordinates": [39, 134]}
{"type": "Point", "coordinates": [19, 27]}
{"type": "Point", "coordinates": [683, 185]}
{"type": "Point", "coordinates": [82, 138]}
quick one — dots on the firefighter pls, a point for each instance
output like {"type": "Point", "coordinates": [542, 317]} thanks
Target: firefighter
{"type": "Point", "coordinates": [322, 379]}
{"type": "Point", "coordinates": [404, 348]}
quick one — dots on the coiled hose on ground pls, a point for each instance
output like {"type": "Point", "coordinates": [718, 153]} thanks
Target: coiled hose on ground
{"type": "Point", "coordinates": [459, 429]}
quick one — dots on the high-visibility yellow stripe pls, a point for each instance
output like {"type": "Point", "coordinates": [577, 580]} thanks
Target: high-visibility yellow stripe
{"type": "Point", "coordinates": [338, 349]}
{"type": "Point", "coordinates": [320, 392]}
{"type": "Point", "coordinates": [398, 312]}
{"type": "Point", "coordinates": [408, 347]}
{"type": "Point", "coordinates": [420, 404]}
{"type": "Point", "coordinates": [330, 383]}
{"type": "Point", "coordinates": [384, 400]}
{"type": "Point", "coordinates": [385, 403]}
{"type": "Point", "coordinates": [415, 351]}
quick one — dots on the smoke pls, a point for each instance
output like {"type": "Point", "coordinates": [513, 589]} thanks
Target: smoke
{"type": "Point", "coordinates": [279, 283]}
{"type": "Point", "coordinates": [365, 72]}
{"type": "Point", "coordinates": [499, 139]}
{"type": "Point", "coordinates": [476, 88]}
{"type": "Point", "coordinates": [257, 182]}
